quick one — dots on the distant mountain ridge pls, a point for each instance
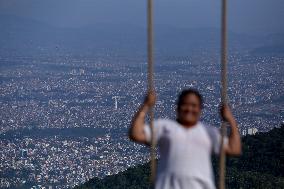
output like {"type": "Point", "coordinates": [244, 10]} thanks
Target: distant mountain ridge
{"type": "Point", "coordinates": [26, 36]}
{"type": "Point", "coordinates": [260, 167]}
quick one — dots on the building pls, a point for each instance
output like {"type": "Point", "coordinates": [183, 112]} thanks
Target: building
{"type": "Point", "coordinates": [252, 131]}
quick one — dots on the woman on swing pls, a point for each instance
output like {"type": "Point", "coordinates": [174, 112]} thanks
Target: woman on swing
{"type": "Point", "coordinates": [185, 144]}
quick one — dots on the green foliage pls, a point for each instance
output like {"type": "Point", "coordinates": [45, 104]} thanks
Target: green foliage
{"type": "Point", "coordinates": [133, 178]}
{"type": "Point", "coordinates": [259, 167]}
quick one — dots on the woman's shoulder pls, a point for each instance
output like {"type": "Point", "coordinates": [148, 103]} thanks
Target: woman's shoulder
{"type": "Point", "coordinates": [209, 127]}
{"type": "Point", "coordinates": [166, 121]}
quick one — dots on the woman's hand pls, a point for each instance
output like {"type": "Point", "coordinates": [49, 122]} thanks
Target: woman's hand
{"type": "Point", "coordinates": [136, 130]}
{"type": "Point", "coordinates": [150, 99]}
{"type": "Point", "coordinates": [226, 113]}
{"type": "Point", "coordinates": [234, 146]}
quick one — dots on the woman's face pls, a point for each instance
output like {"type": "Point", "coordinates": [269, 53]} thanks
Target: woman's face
{"type": "Point", "coordinates": [190, 110]}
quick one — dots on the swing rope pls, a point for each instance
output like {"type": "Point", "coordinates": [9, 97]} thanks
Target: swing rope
{"type": "Point", "coordinates": [151, 88]}
{"type": "Point", "coordinates": [224, 95]}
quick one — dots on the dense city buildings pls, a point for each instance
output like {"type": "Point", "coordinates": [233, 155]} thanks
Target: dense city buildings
{"type": "Point", "coordinates": [64, 119]}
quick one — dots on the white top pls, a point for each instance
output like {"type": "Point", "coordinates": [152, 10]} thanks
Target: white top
{"type": "Point", "coordinates": [185, 154]}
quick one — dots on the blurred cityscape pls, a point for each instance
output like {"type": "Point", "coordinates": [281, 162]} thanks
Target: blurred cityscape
{"type": "Point", "coordinates": [64, 119]}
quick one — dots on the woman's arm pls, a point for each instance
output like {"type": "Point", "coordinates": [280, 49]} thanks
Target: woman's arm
{"type": "Point", "coordinates": [234, 146]}
{"type": "Point", "coordinates": [136, 130]}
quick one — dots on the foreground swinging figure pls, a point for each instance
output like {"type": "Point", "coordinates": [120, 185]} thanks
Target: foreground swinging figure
{"type": "Point", "coordinates": [185, 144]}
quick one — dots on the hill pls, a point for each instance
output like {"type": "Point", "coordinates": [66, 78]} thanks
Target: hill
{"type": "Point", "coordinates": [24, 36]}
{"type": "Point", "coordinates": [260, 166]}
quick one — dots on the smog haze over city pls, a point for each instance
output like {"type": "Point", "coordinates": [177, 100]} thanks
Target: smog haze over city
{"type": "Point", "coordinates": [73, 73]}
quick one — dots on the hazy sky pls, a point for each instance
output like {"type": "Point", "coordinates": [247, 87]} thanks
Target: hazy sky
{"type": "Point", "coordinates": [249, 16]}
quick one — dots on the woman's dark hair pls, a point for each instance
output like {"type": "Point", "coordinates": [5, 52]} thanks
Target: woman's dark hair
{"type": "Point", "coordinates": [186, 92]}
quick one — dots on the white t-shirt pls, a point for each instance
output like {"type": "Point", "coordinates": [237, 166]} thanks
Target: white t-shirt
{"type": "Point", "coordinates": [185, 154]}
